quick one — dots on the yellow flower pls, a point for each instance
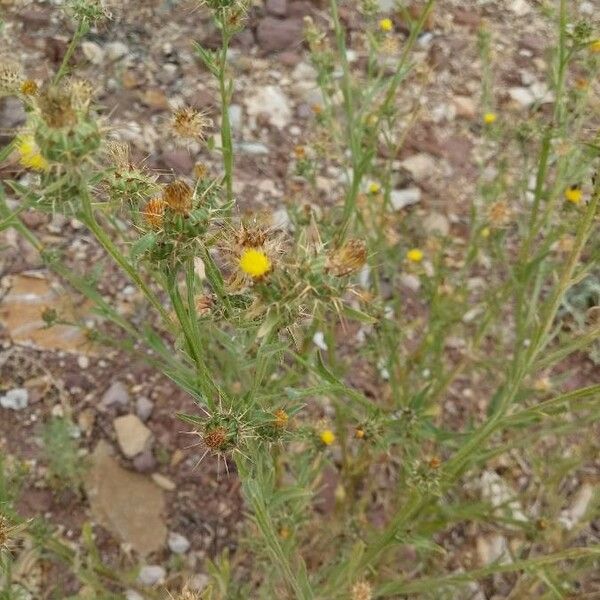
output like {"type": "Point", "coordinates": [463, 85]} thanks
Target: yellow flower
{"type": "Point", "coordinates": [573, 194]}
{"type": "Point", "coordinates": [415, 255]}
{"type": "Point", "coordinates": [595, 46]}
{"type": "Point", "coordinates": [29, 153]}
{"type": "Point", "coordinates": [386, 25]}
{"type": "Point", "coordinates": [489, 118]}
{"type": "Point", "coordinates": [29, 87]}
{"type": "Point", "coordinates": [485, 232]}
{"type": "Point", "coordinates": [327, 437]}
{"type": "Point", "coordinates": [374, 188]}
{"type": "Point", "coordinates": [254, 262]}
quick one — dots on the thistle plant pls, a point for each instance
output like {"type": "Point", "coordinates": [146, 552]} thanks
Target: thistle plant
{"type": "Point", "coordinates": [247, 318]}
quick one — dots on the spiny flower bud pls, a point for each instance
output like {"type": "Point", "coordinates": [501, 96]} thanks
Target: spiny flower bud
{"type": "Point", "coordinates": [178, 196]}
{"type": "Point", "coordinates": [204, 304]}
{"type": "Point", "coordinates": [281, 418]}
{"type": "Point", "coordinates": [189, 123]}
{"type": "Point", "coordinates": [154, 213]}
{"type": "Point", "coordinates": [11, 77]}
{"type": "Point", "coordinates": [347, 259]}
{"type": "Point", "coordinates": [215, 439]}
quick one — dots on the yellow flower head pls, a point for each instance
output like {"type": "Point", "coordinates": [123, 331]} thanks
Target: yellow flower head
{"type": "Point", "coordinates": [595, 46]}
{"type": "Point", "coordinates": [386, 25]}
{"type": "Point", "coordinates": [29, 154]}
{"type": "Point", "coordinates": [327, 437]}
{"type": "Point", "coordinates": [254, 262]}
{"type": "Point", "coordinates": [374, 188]}
{"type": "Point", "coordinates": [415, 255]}
{"type": "Point", "coordinates": [29, 87]}
{"type": "Point", "coordinates": [489, 118]}
{"type": "Point", "coordinates": [573, 194]}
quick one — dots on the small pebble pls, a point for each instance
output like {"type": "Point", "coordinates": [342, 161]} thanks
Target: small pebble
{"type": "Point", "coordinates": [151, 574]}
{"type": "Point", "coordinates": [15, 399]}
{"type": "Point", "coordinates": [178, 543]}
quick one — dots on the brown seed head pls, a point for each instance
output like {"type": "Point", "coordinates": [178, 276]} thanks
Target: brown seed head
{"type": "Point", "coordinates": [154, 212]}
{"type": "Point", "coordinates": [186, 594]}
{"type": "Point", "coordinates": [82, 92]}
{"type": "Point", "coordinates": [251, 237]}
{"type": "Point", "coordinates": [499, 213]}
{"type": "Point", "coordinates": [189, 123]}
{"type": "Point", "coordinates": [178, 196]}
{"type": "Point", "coordinates": [200, 170]}
{"type": "Point", "coordinates": [281, 418]}
{"type": "Point", "coordinates": [435, 462]}
{"type": "Point", "coordinates": [361, 591]}
{"type": "Point", "coordinates": [216, 438]}
{"type": "Point", "coordinates": [348, 259]}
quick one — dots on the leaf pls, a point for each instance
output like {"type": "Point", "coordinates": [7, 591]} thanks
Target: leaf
{"type": "Point", "coordinates": [358, 315]}
{"type": "Point", "coordinates": [143, 244]}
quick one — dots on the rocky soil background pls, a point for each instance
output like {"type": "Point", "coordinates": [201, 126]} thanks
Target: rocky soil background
{"type": "Point", "coordinates": [143, 65]}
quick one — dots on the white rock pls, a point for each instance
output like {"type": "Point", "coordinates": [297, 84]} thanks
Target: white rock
{"type": "Point", "coordinates": [116, 50]}
{"type": "Point", "coordinates": [115, 395]}
{"type": "Point", "coordinates": [133, 595]}
{"type": "Point", "coordinates": [280, 219]}
{"type": "Point", "coordinates": [93, 52]}
{"type": "Point", "coordinates": [493, 548]}
{"type": "Point", "coordinates": [132, 435]}
{"type": "Point", "coordinates": [496, 491]}
{"type": "Point", "coordinates": [520, 7]}
{"type": "Point", "coordinates": [410, 281]}
{"type": "Point", "coordinates": [572, 515]}
{"type": "Point", "coordinates": [436, 223]}
{"type": "Point", "coordinates": [304, 72]}
{"type": "Point", "coordinates": [15, 399]}
{"type": "Point", "coordinates": [402, 198]}
{"type": "Point", "coordinates": [272, 102]}
{"type": "Point", "coordinates": [178, 543]}
{"type": "Point", "coordinates": [420, 166]}
{"type": "Point", "coordinates": [151, 574]}
{"type": "Point", "coordinates": [465, 107]}
{"type": "Point", "coordinates": [254, 148]}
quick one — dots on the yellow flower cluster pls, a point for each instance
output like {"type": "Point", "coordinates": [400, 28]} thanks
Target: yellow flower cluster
{"type": "Point", "coordinates": [254, 262]}
{"type": "Point", "coordinates": [29, 154]}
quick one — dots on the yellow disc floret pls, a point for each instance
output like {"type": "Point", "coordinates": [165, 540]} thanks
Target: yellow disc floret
{"type": "Point", "coordinates": [254, 262]}
{"type": "Point", "coordinates": [29, 154]}
{"type": "Point", "coordinates": [489, 118]}
{"type": "Point", "coordinates": [386, 25]}
{"type": "Point", "coordinates": [573, 194]}
{"type": "Point", "coordinates": [327, 437]}
{"type": "Point", "coordinates": [415, 255]}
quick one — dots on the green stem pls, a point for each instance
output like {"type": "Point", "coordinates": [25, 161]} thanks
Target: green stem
{"type": "Point", "coordinates": [82, 28]}
{"type": "Point", "coordinates": [225, 88]}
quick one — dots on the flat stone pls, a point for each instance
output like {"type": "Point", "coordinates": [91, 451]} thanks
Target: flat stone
{"type": "Point", "coordinates": [127, 504]}
{"type": "Point", "coordinates": [269, 100]}
{"type": "Point", "coordinates": [164, 482]}
{"type": "Point", "coordinates": [151, 574]}
{"type": "Point", "coordinates": [144, 462]}
{"type": "Point", "coordinates": [436, 223]}
{"type": "Point", "coordinates": [116, 395]}
{"type": "Point", "coordinates": [21, 314]}
{"type": "Point", "coordinates": [15, 399]}
{"type": "Point", "coordinates": [420, 166]}
{"type": "Point", "coordinates": [143, 408]}
{"type": "Point", "coordinates": [400, 199]}
{"type": "Point", "coordinates": [132, 435]}
{"type": "Point", "coordinates": [178, 543]}
{"type": "Point", "coordinates": [274, 35]}
{"type": "Point", "coordinates": [277, 7]}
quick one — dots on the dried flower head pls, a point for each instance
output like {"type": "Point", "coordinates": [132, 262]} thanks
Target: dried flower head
{"type": "Point", "coordinates": [82, 92]}
{"type": "Point", "coordinates": [347, 259]}
{"type": "Point", "coordinates": [118, 154]}
{"type": "Point", "coordinates": [216, 438]}
{"type": "Point", "coordinates": [189, 123]}
{"type": "Point", "coordinates": [500, 213]}
{"type": "Point", "coordinates": [255, 262]}
{"type": "Point", "coordinates": [56, 107]}
{"type": "Point", "coordinates": [11, 76]}
{"type": "Point", "coordinates": [154, 213]}
{"type": "Point", "coordinates": [573, 194]}
{"type": "Point", "coordinates": [187, 594]}
{"type": "Point", "coordinates": [200, 170]}
{"type": "Point", "coordinates": [361, 591]}
{"type": "Point", "coordinates": [281, 418]}
{"type": "Point", "coordinates": [8, 531]}
{"type": "Point", "coordinates": [29, 87]}
{"type": "Point", "coordinates": [178, 197]}
{"type": "Point", "coordinates": [29, 154]}
{"type": "Point", "coordinates": [204, 304]}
